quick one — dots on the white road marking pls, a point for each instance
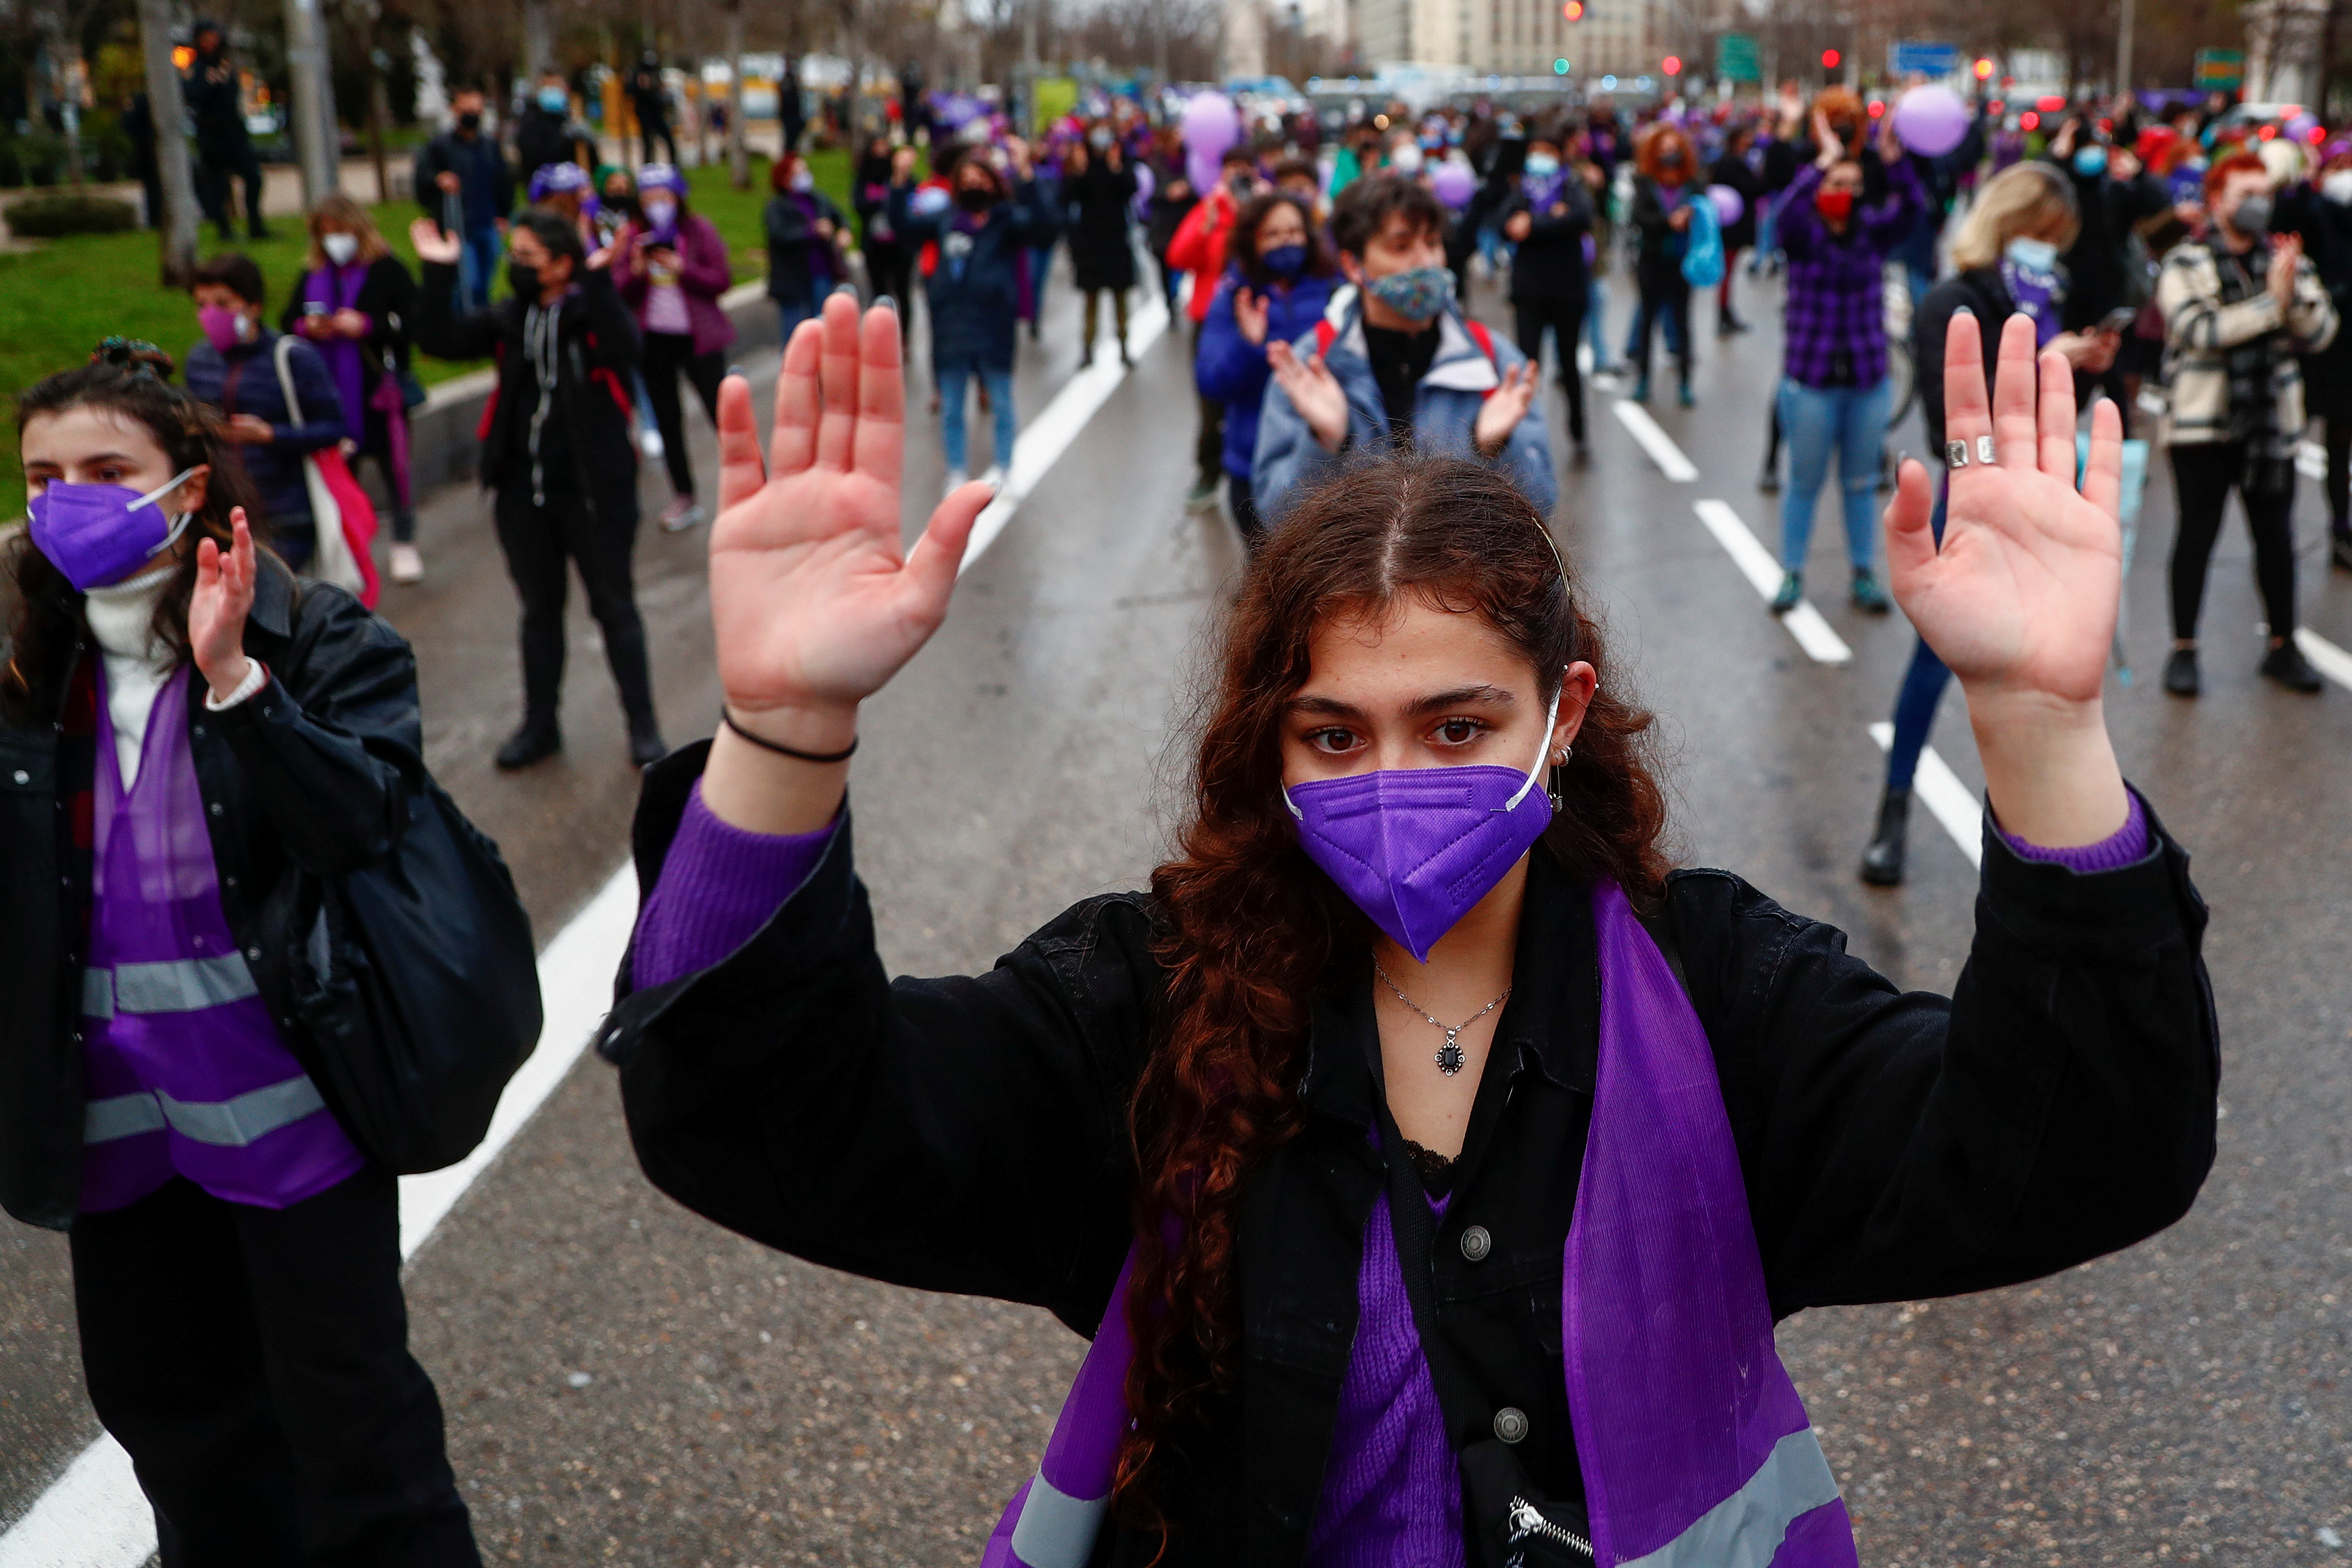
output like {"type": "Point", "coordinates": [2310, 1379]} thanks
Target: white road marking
{"type": "Point", "coordinates": [2311, 460]}
{"type": "Point", "coordinates": [94, 1516]}
{"type": "Point", "coordinates": [2326, 657]}
{"type": "Point", "coordinates": [1655, 442]}
{"type": "Point", "coordinates": [1936, 786]}
{"type": "Point", "coordinates": [1816, 636]}
{"type": "Point", "coordinates": [1042, 443]}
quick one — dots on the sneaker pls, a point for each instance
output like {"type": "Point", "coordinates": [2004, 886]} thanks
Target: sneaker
{"type": "Point", "coordinates": [1641, 392]}
{"type": "Point", "coordinates": [645, 743]}
{"type": "Point", "coordinates": [2180, 678]}
{"type": "Point", "coordinates": [1579, 455]}
{"type": "Point", "coordinates": [956, 480]}
{"type": "Point", "coordinates": [1682, 395]}
{"type": "Point", "coordinates": [681, 514]}
{"type": "Point", "coordinates": [1869, 593]}
{"type": "Point", "coordinates": [993, 475]}
{"type": "Point", "coordinates": [649, 442]}
{"type": "Point", "coordinates": [408, 565]}
{"type": "Point", "coordinates": [1791, 594]}
{"type": "Point", "coordinates": [2287, 666]}
{"type": "Point", "coordinates": [1768, 481]}
{"type": "Point", "coordinates": [532, 743]}
{"type": "Point", "coordinates": [1202, 496]}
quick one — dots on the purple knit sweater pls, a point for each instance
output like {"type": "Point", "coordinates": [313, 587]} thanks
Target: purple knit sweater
{"type": "Point", "coordinates": [1391, 1496]}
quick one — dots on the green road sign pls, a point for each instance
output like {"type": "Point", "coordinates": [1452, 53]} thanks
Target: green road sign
{"type": "Point", "coordinates": [1736, 59]}
{"type": "Point", "coordinates": [2220, 70]}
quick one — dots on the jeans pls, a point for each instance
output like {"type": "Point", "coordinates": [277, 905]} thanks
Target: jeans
{"type": "Point", "coordinates": [1596, 310]}
{"type": "Point", "coordinates": [1923, 688]}
{"type": "Point", "coordinates": [1672, 306]}
{"type": "Point", "coordinates": [954, 380]}
{"type": "Point", "coordinates": [791, 313]}
{"type": "Point", "coordinates": [255, 1362]}
{"type": "Point", "coordinates": [478, 266]}
{"type": "Point", "coordinates": [1817, 422]}
{"type": "Point", "coordinates": [541, 543]}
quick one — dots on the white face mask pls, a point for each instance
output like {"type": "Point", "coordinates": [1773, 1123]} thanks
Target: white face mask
{"type": "Point", "coordinates": [2033, 255]}
{"type": "Point", "coordinates": [659, 210]}
{"type": "Point", "coordinates": [1406, 159]}
{"type": "Point", "coordinates": [340, 248]}
{"type": "Point", "coordinates": [2337, 186]}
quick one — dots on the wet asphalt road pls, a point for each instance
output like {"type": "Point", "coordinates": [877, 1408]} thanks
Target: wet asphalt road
{"type": "Point", "coordinates": [627, 1384]}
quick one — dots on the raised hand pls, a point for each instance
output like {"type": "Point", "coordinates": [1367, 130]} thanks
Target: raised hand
{"type": "Point", "coordinates": [217, 608]}
{"type": "Point", "coordinates": [1249, 315]}
{"type": "Point", "coordinates": [1313, 390]}
{"type": "Point", "coordinates": [2021, 600]}
{"type": "Point", "coordinates": [815, 604]}
{"type": "Point", "coordinates": [1504, 408]}
{"type": "Point", "coordinates": [433, 246]}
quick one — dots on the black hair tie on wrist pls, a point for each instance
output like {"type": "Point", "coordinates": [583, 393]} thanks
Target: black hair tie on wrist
{"type": "Point", "coordinates": [844, 754]}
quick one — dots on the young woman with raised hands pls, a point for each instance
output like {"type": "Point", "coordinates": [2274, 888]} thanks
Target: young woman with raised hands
{"type": "Point", "coordinates": [1429, 1161]}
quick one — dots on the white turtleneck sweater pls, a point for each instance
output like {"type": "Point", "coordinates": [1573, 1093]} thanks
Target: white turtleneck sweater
{"type": "Point", "coordinates": [121, 618]}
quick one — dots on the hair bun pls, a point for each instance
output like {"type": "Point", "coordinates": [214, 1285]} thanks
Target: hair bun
{"type": "Point", "coordinates": [134, 355]}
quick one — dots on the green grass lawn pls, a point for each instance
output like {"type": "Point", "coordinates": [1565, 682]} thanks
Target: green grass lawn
{"type": "Point", "coordinates": [56, 302]}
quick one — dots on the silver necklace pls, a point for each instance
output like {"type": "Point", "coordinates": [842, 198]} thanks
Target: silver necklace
{"type": "Point", "coordinates": [1449, 1055]}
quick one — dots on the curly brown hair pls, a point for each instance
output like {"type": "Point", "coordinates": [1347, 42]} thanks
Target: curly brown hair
{"type": "Point", "coordinates": [1650, 154]}
{"type": "Point", "coordinates": [1252, 923]}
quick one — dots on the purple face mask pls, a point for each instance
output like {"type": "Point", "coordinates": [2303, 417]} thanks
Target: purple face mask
{"type": "Point", "coordinates": [1416, 847]}
{"type": "Point", "coordinates": [97, 534]}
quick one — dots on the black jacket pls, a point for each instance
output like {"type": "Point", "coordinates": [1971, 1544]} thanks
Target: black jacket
{"type": "Point", "coordinates": [541, 139]}
{"type": "Point", "coordinates": [1549, 263]}
{"type": "Point", "coordinates": [598, 349]}
{"type": "Point", "coordinates": [970, 1135]}
{"type": "Point", "coordinates": [215, 103]}
{"type": "Point", "coordinates": [485, 184]}
{"type": "Point", "coordinates": [1100, 199]}
{"type": "Point", "coordinates": [387, 298]}
{"type": "Point", "coordinates": [2327, 230]}
{"type": "Point", "coordinates": [792, 233]}
{"type": "Point", "coordinates": [1984, 294]}
{"type": "Point", "coordinates": [1732, 169]}
{"type": "Point", "coordinates": [307, 776]}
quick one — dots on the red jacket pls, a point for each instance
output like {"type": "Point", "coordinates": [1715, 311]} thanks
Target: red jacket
{"type": "Point", "coordinates": [1199, 246]}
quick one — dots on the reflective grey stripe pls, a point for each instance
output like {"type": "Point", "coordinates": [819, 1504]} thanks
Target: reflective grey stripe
{"type": "Point", "coordinates": [1747, 1527]}
{"type": "Point", "coordinates": [233, 1124]}
{"type": "Point", "coordinates": [182, 985]}
{"type": "Point", "coordinates": [97, 993]}
{"type": "Point", "coordinates": [1056, 1529]}
{"type": "Point", "coordinates": [124, 1116]}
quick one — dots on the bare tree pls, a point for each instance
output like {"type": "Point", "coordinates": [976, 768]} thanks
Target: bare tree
{"type": "Point", "coordinates": [175, 227]}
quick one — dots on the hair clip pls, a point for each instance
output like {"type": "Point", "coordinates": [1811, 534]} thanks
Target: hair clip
{"type": "Point", "coordinates": [135, 355]}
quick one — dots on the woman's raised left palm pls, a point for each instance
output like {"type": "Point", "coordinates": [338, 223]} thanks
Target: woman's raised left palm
{"type": "Point", "coordinates": [2022, 596]}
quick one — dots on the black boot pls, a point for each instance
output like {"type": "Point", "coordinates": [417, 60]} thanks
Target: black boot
{"type": "Point", "coordinates": [2339, 546]}
{"type": "Point", "coordinates": [1882, 862]}
{"type": "Point", "coordinates": [645, 743]}
{"type": "Point", "coordinates": [537, 738]}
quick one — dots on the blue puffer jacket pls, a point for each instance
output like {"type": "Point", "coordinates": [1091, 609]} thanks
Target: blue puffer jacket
{"type": "Point", "coordinates": [244, 380]}
{"type": "Point", "coordinates": [974, 290]}
{"type": "Point", "coordinates": [1233, 369]}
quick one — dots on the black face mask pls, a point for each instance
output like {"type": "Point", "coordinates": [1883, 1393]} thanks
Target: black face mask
{"type": "Point", "coordinates": [975, 198]}
{"type": "Point", "coordinates": [470, 121]}
{"type": "Point", "coordinates": [524, 281]}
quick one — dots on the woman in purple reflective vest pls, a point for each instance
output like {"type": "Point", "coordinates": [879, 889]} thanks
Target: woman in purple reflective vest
{"type": "Point", "coordinates": [183, 732]}
{"type": "Point", "coordinates": [1427, 1160]}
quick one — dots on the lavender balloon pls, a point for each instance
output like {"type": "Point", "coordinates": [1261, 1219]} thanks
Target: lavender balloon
{"type": "Point", "coordinates": [1729, 203]}
{"type": "Point", "coordinates": [1211, 126]}
{"type": "Point", "coordinates": [1145, 182]}
{"type": "Point", "coordinates": [1930, 121]}
{"type": "Point", "coordinates": [1452, 182]}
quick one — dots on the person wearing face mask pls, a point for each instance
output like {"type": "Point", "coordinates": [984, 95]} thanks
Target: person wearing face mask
{"type": "Point", "coordinates": [1667, 183]}
{"type": "Point", "coordinates": [545, 131]}
{"type": "Point", "coordinates": [1430, 1159]}
{"type": "Point", "coordinates": [356, 305]}
{"type": "Point", "coordinates": [225, 740]}
{"type": "Point", "coordinates": [672, 267]}
{"type": "Point", "coordinates": [2324, 219]}
{"type": "Point", "coordinates": [213, 92]}
{"type": "Point", "coordinates": [981, 229]}
{"type": "Point", "coordinates": [2114, 193]}
{"type": "Point", "coordinates": [1833, 400]}
{"type": "Point", "coordinates": [2239, 306]}
{"type": "Point", "coordinates": [1098, 187]}
{"type": "Point", "coordinates": [2006, 263]}
{"type": "Point", "coordinates": [1198, 248]}
{"type": "Point", "coordinates": [463, 185]}
{"type": "Point", "coordinates": [805, 242]}
{"type": "Point", "coordinates": [1549, 219]}
{"type": "Point", "coordinates": [1396, 365]}
{"type": "Point", "coordinates": [889, 264]}
{"type": "Point", "coordinates": [1277, 284]}
{"type": "Point", "coordinates": [557, 454]}
{"type": "Point", "coordinates": [233, 368]}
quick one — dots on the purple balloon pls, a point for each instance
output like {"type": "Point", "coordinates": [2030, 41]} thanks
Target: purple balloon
{"type": "Point", "coordinates": [1930, 121]}
{"type": "Point", "coordinates": [1452, 182]}
{"type": "Point", "coordinates": [1729, 204]}
{"type": "Point", "coordinates": [1145, 181]}
{"type": "Point", "coordinates": [1210, 126]}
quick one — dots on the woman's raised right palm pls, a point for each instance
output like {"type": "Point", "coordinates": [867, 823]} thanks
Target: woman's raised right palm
{"type": "Point", "coordinates": [815, 604]}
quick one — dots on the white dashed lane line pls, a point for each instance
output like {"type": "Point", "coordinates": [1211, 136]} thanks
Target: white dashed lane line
{"type": "Point", "coordinates": [1938, 787]}
{"type": "Point", "coordinates": [1816, 636]}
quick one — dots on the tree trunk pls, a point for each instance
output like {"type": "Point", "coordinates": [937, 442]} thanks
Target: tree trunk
{"type": "Point", "coordinates": [175, 226]}
{"type": "Point", "coordinates": [316, 146]}
{"type": "Point", "coordinates": [379, 116]}
{"type": "Point", "coordinates": [738, 154]}
{"type": "Point", "coordinates": [538, 38]}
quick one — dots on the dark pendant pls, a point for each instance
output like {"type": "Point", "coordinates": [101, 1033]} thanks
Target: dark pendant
{"type": "Point", "coordinates": [1449, 1059]}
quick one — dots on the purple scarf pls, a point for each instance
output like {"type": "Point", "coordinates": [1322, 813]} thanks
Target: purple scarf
{"type": "Point", "coordinates": [1694, 1446]}
{"type": "Point", "coordinates": [2038, 295]}
{"type": "Point", "coordinates": [338, 288]}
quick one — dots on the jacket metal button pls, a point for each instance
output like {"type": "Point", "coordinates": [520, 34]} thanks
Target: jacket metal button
{"type": "Point", "coordinates": [216, 808]}
{"type": "Point", "coordinates": [228, 882]}
{"type": "Point", "coordinates": [1510, 1423]}
{"type": "Point", "coordinates": [1477, 1243]}
{"type": "Point", "coordinates": [253, 953]}
{"type": "Point", "coordinates": [22, 777]}
{"type": "Point", "coordinates": [198, 732]}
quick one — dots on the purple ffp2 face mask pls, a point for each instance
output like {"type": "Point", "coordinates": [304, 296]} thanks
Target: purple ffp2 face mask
{"type": "Point", "coordinates": [97, 534]}
{"type": "Point", "coordinates": [1416, 848]}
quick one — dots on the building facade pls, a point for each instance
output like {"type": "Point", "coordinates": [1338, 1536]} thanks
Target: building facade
{"type": "Point", "coordinates": [1510, 38]}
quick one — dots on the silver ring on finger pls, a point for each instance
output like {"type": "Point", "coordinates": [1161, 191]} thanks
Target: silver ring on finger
{"type": "Point", "coordinates": [1955, 455]}
{"type": "Point", "coordinates": [1984, 449]}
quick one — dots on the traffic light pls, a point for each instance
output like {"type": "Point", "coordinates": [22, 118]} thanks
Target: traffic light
{"type": "Point", "coordinates": [1672, 65]}
{"type": "Point", "coordinates": [1559, 67]}
{"type": "Point", "coordinates": [1830, 58]}
{"type": "Point", "coordinates": [1573, 11]}
{"type": "Point", "coordinates": [1984, 69]}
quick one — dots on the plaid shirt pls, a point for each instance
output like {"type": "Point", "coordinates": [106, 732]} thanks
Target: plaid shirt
{"type": "Point", "coordinates": [1835, 311]}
